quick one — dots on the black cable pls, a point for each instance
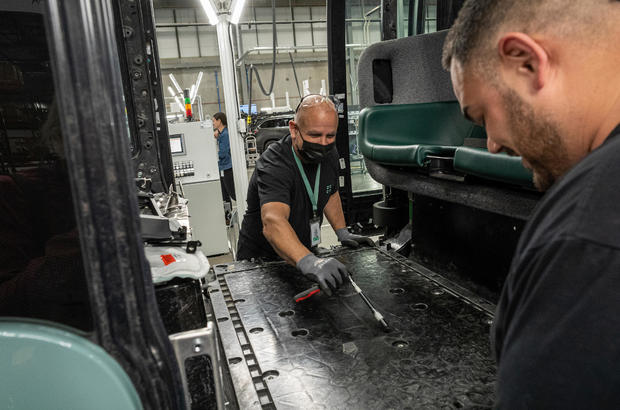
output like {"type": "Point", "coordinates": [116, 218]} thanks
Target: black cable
{"type": "Point", "coordinates": [410, 26]}
{"type": "Point", "coordinates": [232, 53]}
{"type": "Point", "coordinates": [295, 73]}
{"type": "Point", "coordinates": [273, 63]}
{"type": "Point", "coordinates": [250, 95]}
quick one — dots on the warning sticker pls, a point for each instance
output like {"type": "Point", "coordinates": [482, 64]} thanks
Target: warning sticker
{"type": "Point", "coordinates": [168, 259]}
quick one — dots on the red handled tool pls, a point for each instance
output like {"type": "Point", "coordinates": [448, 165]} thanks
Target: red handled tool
{"type": "Point", "coordinates": [308, 293]}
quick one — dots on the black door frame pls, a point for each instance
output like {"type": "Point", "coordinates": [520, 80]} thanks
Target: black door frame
{"type": "Point", "coordinates": [84, 55]}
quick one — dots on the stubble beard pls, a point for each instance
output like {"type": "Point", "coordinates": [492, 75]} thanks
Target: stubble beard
{"type": "Point", "coordinates": [538, 140]}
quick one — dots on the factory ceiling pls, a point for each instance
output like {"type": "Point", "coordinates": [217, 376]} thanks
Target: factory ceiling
{"type": "Point", "coordinates": [251, 3]}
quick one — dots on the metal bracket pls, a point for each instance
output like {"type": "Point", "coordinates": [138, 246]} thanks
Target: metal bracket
{"type": "Point", "coordinates": [192, 246]}
{"type": "Point", "coordinates": [146, 110]}
{"type": "Point", "coordinates": [197, 343]}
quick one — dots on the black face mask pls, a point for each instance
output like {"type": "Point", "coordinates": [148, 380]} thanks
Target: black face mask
{"type": "Point", "coordinates": [313, 153]}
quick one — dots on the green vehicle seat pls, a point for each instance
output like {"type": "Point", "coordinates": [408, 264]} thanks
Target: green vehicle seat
{"type": "Point", "coordinates": [44, 366]}
{"type": "Point", "coordinates": [406, 134]}
{"type": "Point", "coordinates": [410, 113]}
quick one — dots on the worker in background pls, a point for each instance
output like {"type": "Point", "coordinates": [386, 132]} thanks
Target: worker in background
{"type": "Point", "coordinates": [220, 126]}
{"type": "Point", "coordinates": [542, 78]}
{"type": "Point", "coordinates": [295, 182]}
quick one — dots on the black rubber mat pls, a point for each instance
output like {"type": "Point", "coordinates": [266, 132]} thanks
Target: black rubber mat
{"type": "Point", "coordinates": [331, 352]}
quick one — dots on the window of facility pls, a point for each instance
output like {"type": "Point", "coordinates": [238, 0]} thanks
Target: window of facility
{"type": "Point", "coordinates": [41, 267]}
{"type": "Point", "coordinates": [363, 28]}
{"type": "Point", "coordinates": [416, 17]}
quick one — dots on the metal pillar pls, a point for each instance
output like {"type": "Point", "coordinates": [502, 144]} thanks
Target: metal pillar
{"type": "Point", "coordinates": [237, 150]}
{"type": "Point", "coordinates": [242, 74]}
{"type": "Point", "coordinates": [337, 66]}
{"type": "Point", "coordinates": [389, 19]}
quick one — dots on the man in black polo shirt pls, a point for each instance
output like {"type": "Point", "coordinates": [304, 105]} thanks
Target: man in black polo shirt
{"type": "Point", "coordinates": [295, 182]}
{"type": "Point", "coordinates": [543, 78]}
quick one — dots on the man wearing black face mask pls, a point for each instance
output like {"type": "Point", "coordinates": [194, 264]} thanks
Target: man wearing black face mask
{"type": "Point", "coordinates": [295, 182]}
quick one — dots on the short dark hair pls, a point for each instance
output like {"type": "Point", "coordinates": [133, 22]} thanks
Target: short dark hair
{"type": "Point", "coordinates": [476, 18]}
{"type": "Point", "coordinates": [221, 117]}
{"type": "Point", "coordinates": [479, 21]}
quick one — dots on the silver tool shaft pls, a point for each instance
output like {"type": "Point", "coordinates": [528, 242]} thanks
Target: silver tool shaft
{"type": "Point", "coordinates": [378, 316]}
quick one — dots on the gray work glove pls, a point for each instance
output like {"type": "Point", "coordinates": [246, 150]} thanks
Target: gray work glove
{"type": "Point", "coordinates": [327, 272]}
{"type": "Point", "coordinates": [352, 240]}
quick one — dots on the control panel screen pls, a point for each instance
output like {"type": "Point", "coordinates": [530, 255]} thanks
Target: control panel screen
{"type": "Point", "coordinates": [176, 144]}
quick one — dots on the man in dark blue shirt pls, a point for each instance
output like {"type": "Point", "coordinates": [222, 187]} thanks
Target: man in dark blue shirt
{"type": "Point", "coordinates": [542, 77]}
{"type": "Point", "coordinates": [220, 124]}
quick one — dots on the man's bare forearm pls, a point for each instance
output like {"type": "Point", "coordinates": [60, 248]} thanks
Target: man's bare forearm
{"type": "Point", "coordinates": [334, 213]}
{"type": "Point", "coordinates": [280, 234]}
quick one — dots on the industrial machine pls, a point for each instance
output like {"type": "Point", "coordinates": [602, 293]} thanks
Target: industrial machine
{"type": "Point", "coordinates": [194, 161]}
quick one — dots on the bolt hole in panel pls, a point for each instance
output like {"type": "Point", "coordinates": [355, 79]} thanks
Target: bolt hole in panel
{"type": "Point", "coordinates": [235, 360]}
{"type": "Point", "coordinates": [270, 375]}
{"type": "Point", "coordinates": [286, 313]}
{"type": "Point", "coordinates": [256, 330]}
{"type": "Point", "coordinates": [300, 332]}
{"type": "Point", "coordinates": [433, 358]}
{"type": "Point", "coordinates": [400, 344]}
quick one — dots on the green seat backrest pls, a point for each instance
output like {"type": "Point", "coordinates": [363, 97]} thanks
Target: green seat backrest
{"type": "Point", "coordinates": [388, 133]}
{"type": "Point", "coordinates": [45, 367]}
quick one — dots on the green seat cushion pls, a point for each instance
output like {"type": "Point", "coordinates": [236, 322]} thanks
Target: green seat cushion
{"type": "Point", "coordinates": [405, 134]}
{"type": "Point", "coordinates": [46, 367]}
{"type": "Point", "coordinates": [497, 167]}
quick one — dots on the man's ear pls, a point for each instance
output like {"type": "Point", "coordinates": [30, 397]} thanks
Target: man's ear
{"type": "Point", "coordinates": [522, 56]}
{"type": "Point", "coordinates": [291, 128]}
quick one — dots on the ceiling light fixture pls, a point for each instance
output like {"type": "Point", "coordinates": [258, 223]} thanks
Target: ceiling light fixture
{"type": "Point", "coordinates": [236, 8]}
{"type": "Point", "coordinates": [211, 11]}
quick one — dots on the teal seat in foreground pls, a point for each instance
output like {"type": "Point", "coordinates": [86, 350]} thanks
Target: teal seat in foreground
{"type": "Point", "coordinates": [406, 134]}
{"type": "Point", "coordinates": [46, 367]}
{"type": "Point", "coordinates": [497, 167]}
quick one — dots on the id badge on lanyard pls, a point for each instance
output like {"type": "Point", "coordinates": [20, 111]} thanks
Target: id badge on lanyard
{"type": "Point", "coordinates": [315, 221]}
{"type": "Point", "coordinates": [315, 231]}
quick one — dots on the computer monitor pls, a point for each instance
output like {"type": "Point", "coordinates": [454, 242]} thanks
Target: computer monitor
{"type": "Point", "coordinates": [177, 145]}
{"type": "Point", "coordinates": [244, 109]}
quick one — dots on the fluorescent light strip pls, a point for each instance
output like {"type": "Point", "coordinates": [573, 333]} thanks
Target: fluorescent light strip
{"type": "Point", "coordinates": [176, 85]}
{"type": "Point", "coordinates": [195, 93]}
{"type": "Point", "coordinates": [192, 93]}
{"type": "Point", "coordinates": [181, 106]}
{"type": "Point", "coordinates": [237, 8]}
{"type": "Point", "coordinates": [210, 10]}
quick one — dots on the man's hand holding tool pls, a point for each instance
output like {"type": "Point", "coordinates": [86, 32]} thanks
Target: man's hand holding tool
{"type": "Point", "coordinates": [329, 274]}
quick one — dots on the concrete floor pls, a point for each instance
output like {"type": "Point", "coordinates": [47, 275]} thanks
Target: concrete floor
{"type": "Point", "coordinates": [363, 182]}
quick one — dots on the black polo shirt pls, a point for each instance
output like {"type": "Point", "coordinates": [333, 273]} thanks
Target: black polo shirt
{"type": "Point", "coordinates": [277, 178]}
{"type": "Point", "coordinates": [557, 328]}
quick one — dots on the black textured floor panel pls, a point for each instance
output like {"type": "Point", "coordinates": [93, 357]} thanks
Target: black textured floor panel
{"type": "Point", "coordinates": [331, 353]}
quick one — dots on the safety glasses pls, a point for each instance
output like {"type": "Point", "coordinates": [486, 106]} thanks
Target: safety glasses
{"type": "Point", "coordinates": [313, 99]}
